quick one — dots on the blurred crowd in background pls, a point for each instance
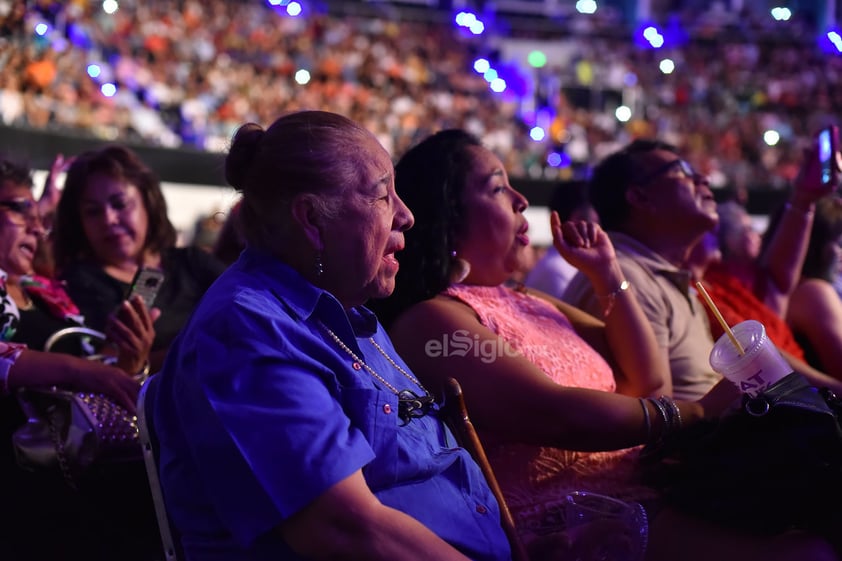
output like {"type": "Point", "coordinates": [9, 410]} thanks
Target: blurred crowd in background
{"type": "Point", "coordinates": [741, 105]}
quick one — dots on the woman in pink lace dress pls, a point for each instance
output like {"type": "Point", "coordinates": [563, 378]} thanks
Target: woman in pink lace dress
{"type": "Point", "coordinates": [547, 385]}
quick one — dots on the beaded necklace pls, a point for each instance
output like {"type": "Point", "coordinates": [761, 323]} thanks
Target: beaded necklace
{"type": "Point", "coordinates": [410, 404]}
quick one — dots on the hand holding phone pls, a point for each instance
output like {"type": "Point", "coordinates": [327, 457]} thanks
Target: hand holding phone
{"type": "Point", "coordinates": [821, 168]}
{"type": "Point", "coordinates": [828, 154]}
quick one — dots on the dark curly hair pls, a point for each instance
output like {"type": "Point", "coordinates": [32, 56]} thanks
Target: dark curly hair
{"type": "Point", "coordinates": [116, 161]}
{"type": "Point", "coordinates": [430, 178]}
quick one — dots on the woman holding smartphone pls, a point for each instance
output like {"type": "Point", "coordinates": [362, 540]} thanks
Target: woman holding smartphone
{"type": "Point", "coordinates": [112, 221]}
{"type": "Point", "coordinates": [49, 519]}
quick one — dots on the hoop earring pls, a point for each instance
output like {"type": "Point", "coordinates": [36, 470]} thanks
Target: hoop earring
{"type": "Point", "coordinates": [459, 268]}
{"type": "Point", "coordinates": [320, 266]}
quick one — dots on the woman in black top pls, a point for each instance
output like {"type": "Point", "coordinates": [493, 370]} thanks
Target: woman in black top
{"type": "Point", "coordinates": [112, 220]}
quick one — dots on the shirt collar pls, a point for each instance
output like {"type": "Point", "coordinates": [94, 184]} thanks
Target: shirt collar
{"type": "Point", "coordinates": [648, 258]}
{"type": "Point", "coordinates": [303, 299]}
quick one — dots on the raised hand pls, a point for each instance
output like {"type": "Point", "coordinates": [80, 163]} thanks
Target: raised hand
{"type": "Point", "coordinates": [808, 185]}
{"type": "Point", "coordinates": [131, 331]}
{"type": "Point", "coordinates": [584, 245]}
{"type": "Point", "coordinates": [48, 201]}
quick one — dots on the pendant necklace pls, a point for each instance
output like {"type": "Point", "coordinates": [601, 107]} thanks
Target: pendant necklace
{"type": "Point", "coordinates": [410, 404]}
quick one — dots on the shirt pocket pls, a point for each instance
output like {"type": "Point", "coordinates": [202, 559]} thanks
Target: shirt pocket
{"type": "Point", "coordinates": [374, 413]}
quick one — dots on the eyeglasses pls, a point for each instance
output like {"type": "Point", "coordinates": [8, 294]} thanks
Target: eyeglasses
{"type": "Point", "coordinates": [412, 406]}
{"type": "Point", "coordinates": [26, 209]}
{"type": "Point", "coordinates": [685, 168]}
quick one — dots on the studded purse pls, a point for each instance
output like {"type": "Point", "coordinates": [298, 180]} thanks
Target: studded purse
{"type": "Point", "coordinates": [74, 433]}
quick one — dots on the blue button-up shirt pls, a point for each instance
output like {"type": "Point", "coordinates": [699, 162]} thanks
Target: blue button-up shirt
{"type": "Point", "coordinates": [259, 411]}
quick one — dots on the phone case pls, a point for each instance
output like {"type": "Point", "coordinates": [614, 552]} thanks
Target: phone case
{"type": "Point", "coordinates": [146, 283]}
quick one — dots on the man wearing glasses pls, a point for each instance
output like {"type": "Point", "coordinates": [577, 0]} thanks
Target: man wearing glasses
{"type": "Point", "coordinates": [655, 208]}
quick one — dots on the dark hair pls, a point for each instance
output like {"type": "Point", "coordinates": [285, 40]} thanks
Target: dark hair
{"type": "Point", "coordinates": [118, 162]}
{"type": "Point", "coordinates": [568, 197]}
{"type": "Point", "coordinates": [827, 228]}
{"type": "Point", "coordinates": [15, 172]}
{"type": "Point", "coordinates": [304, 152]}
{"type": "Point", "coordinates": [613, 176]}
{"type": "Point", "coordinates": [430, 178]}
{"type": "Point", "coordinates": [229, 243]}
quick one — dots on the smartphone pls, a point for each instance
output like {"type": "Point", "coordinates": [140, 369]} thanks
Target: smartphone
{"type": "Point", "coordinates": [827, 153]}
{"type": "Point", "coordinates": [146, 283]}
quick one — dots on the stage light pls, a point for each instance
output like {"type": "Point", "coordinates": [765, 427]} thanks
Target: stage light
{"type": "Point", "coordinates": [537, 134]}
{"type": "Point", "coordinates": [781, 13]}
{"type": "Point", "coordinates": [477, 27]}
{"type": "Point", "coordinates": [465, 19]}
{"type": "Point", "coordinates": [302, 77]}
{"type": "Point", "coordinates": [554, 159]}
{"type": "Point", "coordinates": [94, 70]}
{"type": "Point", "coordinates": [771, 137]}
{"type": "Point", "coordinates": [835, 40]}
{"type": "Point", "coordinates": [586, 6]}
{"type": "Point", "coordinates": [41, 28]}
{"type": "Point", "coordinates": [110, 6]}
{"type": "Point", "coordinates": [490, 75]}
{"type": "Point", "coordinates": [623, 113]}
{"type": "Point", "coordinates": [108, 89]}
{"type": "Point", "coordinates": [498, 85]}
{"type": "Point", "coordinates": [667, 66]}
{"type": "Point", "coordinates": [470, 21]}
{"type": "Point", "coordinates": [294, 9]}
{"type": "Point", "coordinates": [481, 65]}
{"type": "Point", "coordinates": [653, 36]}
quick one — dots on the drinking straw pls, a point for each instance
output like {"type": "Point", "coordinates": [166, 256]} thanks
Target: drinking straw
{"type": "Point", "coordinates": [719, 317]}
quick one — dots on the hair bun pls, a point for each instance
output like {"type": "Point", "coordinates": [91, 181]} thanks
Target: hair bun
{"type": "Point", "coordinates": [243, 148]}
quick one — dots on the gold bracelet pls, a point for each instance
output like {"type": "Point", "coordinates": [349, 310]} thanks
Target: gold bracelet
{"type": "Point", "coordinates": [143, 374]}
{"type": "Point", "coordinates": [611, 298]}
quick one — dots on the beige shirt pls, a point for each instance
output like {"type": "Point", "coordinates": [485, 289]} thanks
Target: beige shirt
{"type": "Point", "coordinates": [669, 301]}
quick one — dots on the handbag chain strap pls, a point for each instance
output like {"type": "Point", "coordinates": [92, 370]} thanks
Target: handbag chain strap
{"type": "Point", "coordinates": [63, 464]}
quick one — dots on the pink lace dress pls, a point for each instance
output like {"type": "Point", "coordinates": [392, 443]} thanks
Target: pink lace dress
{"type": "Point", "coordinates": [535, 479]}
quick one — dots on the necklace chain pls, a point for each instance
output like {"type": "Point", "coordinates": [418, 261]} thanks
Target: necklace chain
{"type": "Point", "coordinates": [368, 368]}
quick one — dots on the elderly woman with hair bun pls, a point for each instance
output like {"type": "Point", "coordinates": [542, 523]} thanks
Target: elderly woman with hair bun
{"type": "Point", "coordinates": [111, 221]}
{"type": "Point", "coordinates": [289, 426]}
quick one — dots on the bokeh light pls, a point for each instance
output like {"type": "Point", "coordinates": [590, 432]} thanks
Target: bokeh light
{"type": "Point", "coordinates": [623, 113]}
{"type": "Point", "coordinates": [110, 6]}
{"type": "Point", "coordinates": [537, 59]}
{"type": "Point", "coordinates": [537, 134]}
{"type": "Point", "coordinates": [586, 6]}
{"type": "Point", "coordinates": [771, 137]}
{"type": "Point", "coordinates": [302, 77]}
{"type": "Point", "coordinates": [108, 89]}
{"type": "Point", "coordinates": [498, 85]}
{"type": "Point", "coordinates": [781, 13]}
{"type": "Point", "coordinates": [667, 66]}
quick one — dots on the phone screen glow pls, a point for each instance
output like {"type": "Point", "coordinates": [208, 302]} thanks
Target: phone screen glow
{"type": "Point", "coordinates": [825, 155]}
